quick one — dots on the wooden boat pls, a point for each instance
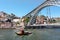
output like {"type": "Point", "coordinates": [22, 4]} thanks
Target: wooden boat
{"type": "Point", "coordinates": [25, 33]}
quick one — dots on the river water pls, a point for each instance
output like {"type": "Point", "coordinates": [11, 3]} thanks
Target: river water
{"type": "Point", "coordinates": [37, 34]}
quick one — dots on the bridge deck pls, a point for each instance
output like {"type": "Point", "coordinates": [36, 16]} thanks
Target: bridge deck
{"type": "Point", "coordinates": [44, 26]}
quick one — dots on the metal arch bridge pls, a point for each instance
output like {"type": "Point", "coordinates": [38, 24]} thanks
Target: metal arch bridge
{"type": "Point", "coordinates": [35, 12]}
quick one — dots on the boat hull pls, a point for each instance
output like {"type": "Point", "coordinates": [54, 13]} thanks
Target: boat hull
{"type": "Point", "coordinates": [25, 33]}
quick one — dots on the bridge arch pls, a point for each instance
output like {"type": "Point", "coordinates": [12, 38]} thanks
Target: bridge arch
{"type": "Point", "coordinates": [39, 8]}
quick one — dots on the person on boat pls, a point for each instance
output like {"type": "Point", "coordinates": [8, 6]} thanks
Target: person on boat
{"type": "Point", "coordinates": [22, 27]}
{"type": "Point", "coordinates": [21, 30]}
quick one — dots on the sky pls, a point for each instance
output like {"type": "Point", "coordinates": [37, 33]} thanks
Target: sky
{"type": "Point", "coordinates": [22, 7]}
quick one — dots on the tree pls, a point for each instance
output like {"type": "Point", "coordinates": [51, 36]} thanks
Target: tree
{"type": "Point", "coordinates": [42, 16]}
{"type": "Point", "coordinates": [26, 20]}
{"type": "Point", "coordinates": [12, 14]}
{"type": "Point", "coordinates": [52, 21]}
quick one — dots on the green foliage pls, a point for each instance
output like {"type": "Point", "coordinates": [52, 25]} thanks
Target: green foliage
{"type": "Point", "coordinates": [52, 21]}
{"type": "Point", "coordinates": [27, 20]}
{"type": "Point", "coordinates": [17, 23]}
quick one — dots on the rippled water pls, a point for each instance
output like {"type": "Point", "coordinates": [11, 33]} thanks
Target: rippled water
{"type": "Point", "coordinates": [37, 34]}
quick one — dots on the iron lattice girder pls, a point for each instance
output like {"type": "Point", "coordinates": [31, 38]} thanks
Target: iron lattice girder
{"type": "Point", "coordinates": [49, 2]}
{"type": "Point", "coordinates": [52, 0]}
{"type": "Point", "coordinates": [53, 3]}
{"type": "Point", "coordinates": [34, 12]}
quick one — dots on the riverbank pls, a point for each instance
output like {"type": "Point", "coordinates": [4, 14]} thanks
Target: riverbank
{"type": "Point", "coordinates": [38, 26]}
{"type": "Point", "coordinates": [7, 28]}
